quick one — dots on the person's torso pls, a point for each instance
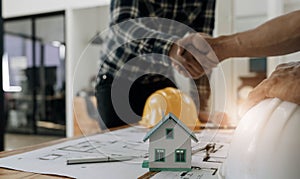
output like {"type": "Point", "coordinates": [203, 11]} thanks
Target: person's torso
{"type": "Point", "coordinates": [189, 12]}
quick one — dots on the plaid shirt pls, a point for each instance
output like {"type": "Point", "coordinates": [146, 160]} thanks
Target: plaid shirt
{"type": "Point", "coordinates": [134, 35]}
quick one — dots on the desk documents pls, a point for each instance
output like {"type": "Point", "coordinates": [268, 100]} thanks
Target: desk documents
{"type": "Point", "coordinates": [116, 154]}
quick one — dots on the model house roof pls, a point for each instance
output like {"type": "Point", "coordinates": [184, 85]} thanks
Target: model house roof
{"type": "Point", "coordinates": [166, 118]}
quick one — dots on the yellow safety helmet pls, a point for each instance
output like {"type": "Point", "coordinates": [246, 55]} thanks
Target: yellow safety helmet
{"type": "Point", "coordinates": [168, 100]}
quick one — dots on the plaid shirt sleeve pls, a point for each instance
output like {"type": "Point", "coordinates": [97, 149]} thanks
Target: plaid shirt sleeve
{"type": "Point", "coordinates": [141, 39]}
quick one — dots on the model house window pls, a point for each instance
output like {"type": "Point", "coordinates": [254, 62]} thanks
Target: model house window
{"type": "Point", "coordinates": [169, 133]}
{"type": "Point", "coordinates": [180, 155]}
{"type": "Point", "coordinates": [159, 155]}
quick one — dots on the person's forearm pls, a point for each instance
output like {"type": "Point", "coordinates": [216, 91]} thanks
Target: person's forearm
{"type": "Point", "coordinates": [275, 37]}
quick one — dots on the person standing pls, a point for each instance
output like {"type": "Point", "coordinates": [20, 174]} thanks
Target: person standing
{"type": "Point", "coordinates": [163, 23]}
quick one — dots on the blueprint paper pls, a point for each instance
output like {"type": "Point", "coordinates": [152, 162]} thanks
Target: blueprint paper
{"type": "Point", "coordinates": [52, 160]}
{"type": "Point", "coordinates": [124, 142]}
{"type": "Point", "coordinates": [204, 169]}
{"type": "Point", "coordinates": [194, 174]}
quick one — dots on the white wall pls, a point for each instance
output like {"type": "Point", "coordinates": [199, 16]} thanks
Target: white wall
{"type": "Point", "coordinates": [82, 25]}
{"type": "Point", "coordinates": [250, 7]}
{"type": "Point", "coordinates": [291, 5]}
{"type": "Point", "coordinates": [87, 23]}
{"type": "Point", "coordinates": [221, 81]}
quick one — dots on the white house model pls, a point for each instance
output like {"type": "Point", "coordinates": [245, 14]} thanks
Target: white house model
{"type": "Point", "coordinates": [169, 145]}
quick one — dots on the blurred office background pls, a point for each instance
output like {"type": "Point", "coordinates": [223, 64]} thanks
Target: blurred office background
{"type": "Point", "coordinates": [49, 64]}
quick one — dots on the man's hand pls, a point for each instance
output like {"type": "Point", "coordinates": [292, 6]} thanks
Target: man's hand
{"type": "Point", "coordinates": [284, 83]}
{"type": "Point", "coordinates": [193, 55]}
{"type": "Point", "coordinates": [185, 63]}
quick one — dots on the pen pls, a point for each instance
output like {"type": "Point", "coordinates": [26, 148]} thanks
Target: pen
{"type": "Point", "coordinates": [85, 160]}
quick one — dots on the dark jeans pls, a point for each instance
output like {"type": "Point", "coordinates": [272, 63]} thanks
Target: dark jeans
{"type": "Point", "coordinates": [134, 100]}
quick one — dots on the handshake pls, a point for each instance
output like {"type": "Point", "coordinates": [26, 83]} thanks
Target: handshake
{"type": "Point", "coordinates": [194, 55]}
{"type": "Point", "coordinates": [197, 54]}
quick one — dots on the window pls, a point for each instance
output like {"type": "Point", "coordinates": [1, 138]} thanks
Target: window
{"type": "Point", "coordinates": [35, 66]}
{"type": "Point", "coordinates": [159, 155]}
{"type": "Point", "coordinates": [169, 133]}
{"type": "Point", "coordinates": [180, 155]}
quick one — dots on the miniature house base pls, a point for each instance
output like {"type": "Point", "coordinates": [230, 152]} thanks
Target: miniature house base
{"type": "Point", "coordinates": [146, 165]}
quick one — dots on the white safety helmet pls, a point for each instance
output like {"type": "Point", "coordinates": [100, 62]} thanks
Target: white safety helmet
{"type": "Point", "coordinates": [266, 143]}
